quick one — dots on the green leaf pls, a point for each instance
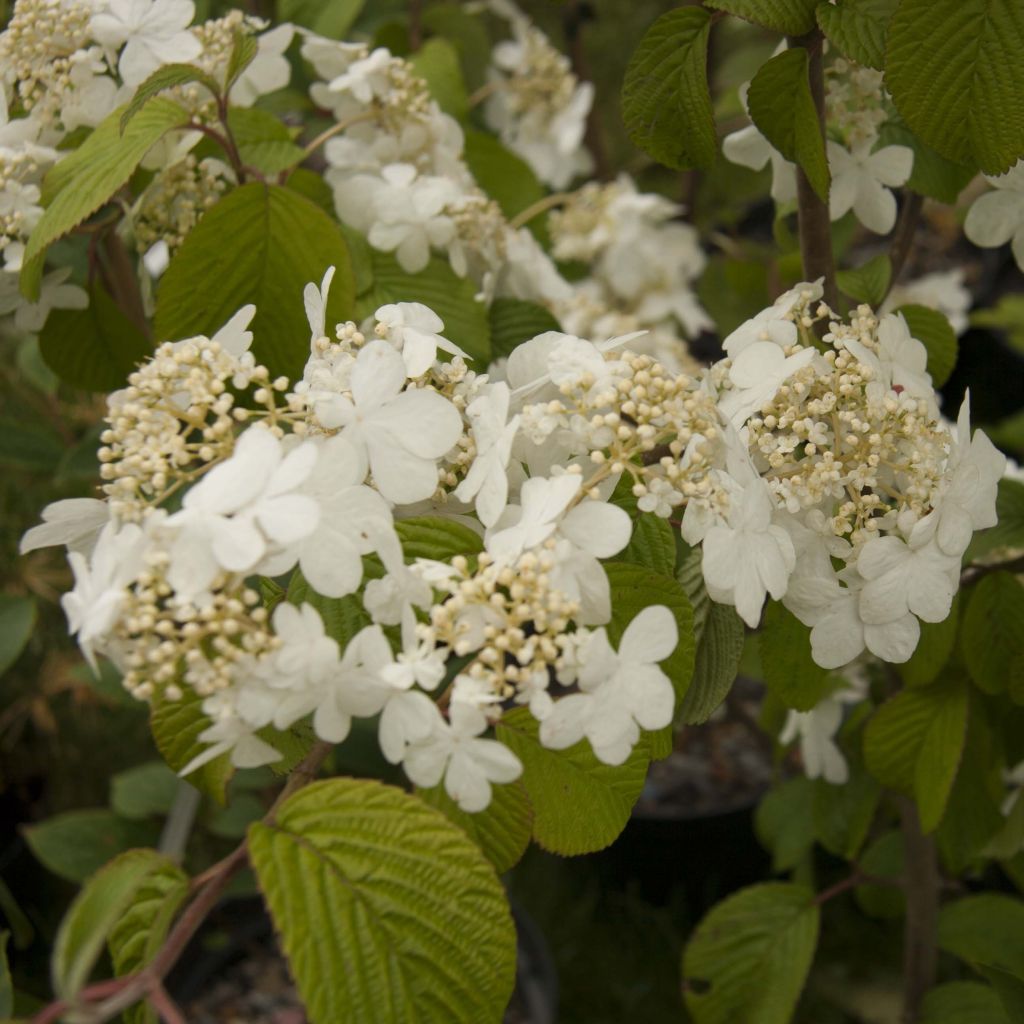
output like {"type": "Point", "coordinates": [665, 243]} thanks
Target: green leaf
{"type": "Point", "coordinates": [858, 28]}
{"type": "Point", "coordinates": [98, 168]}
{"type": "Point", "coordinates": [1010, 990]}
{"type": "Point", "coordinates": [502, 830]}
{"type": "Point", "coordinates": [913, 743]}
{"type": "Point", "coordinates": [1009, 840]}
{"type": "Point", "coordinates": [992, 638]}
{"type": "Point", "coordinates": [343, 617]}
{"type": "Point", "coordinates": [1009, 530]}
{"type": "Point", "coordinates": [716, 665]}
{"type": "Point", "coordinates": [332, 20]}
{"type": "Point", "coordinates": [790, 672]}
{"type": "Point", "coordinates": [243, 53]}
{"type": "Point", "coordinates": [883, 859]}
{"type": "Point", "coordinates": [260, 244]}
{"type": "Point", "coordinates": [77, 843]}
{"type": "Point", "coordinates": [748, 959]}
{"type": "Point", "coordinates": [933, 649]}
{"type": "Point", "coordinates": [163, 78]}
{"type": "Point", "coordinates": [437, 63]}
{"type": "Point", "coordinates": [396, 893]}
{"type": "Point", "coordinates": [144, 924]}
{"type": "Point", "coordinates": [985, 930]}
{"type": "Point", "coordinates": [934, 331]}
{"type": "Point", "coordinates": [505, 177]}
{"type": "Point", "coordinates": [781, 106]}
{"type": "Point", "coordinates": [579, 804]}
{"type": "Point", "coordinates": [652, 545]}
{"type": "Point", "coordinates": [6, 987]}
{"type": "Point", "coordinates": [843, 814]}
{"type": "Point", "coordinates": [264, 142]}
{"type": "Point", "coordinates": [932, 175]}
{"type": "Point", "coordinates": [437, 538]}
{"type": "Point", "coordinates": [468, 33]}
{"type": "Point", "coordinates": [957, 1002]}
{"type": "Point", "coordinates": [868, 283]}
{"type": "Point", "coordinates": [94, 914]}
{"type": "Point", "coordinates": [176, 725]}
{"type": "Point", "coordinates": [94, 348]}
{"type": "Point", "coordinates": [666, 105]}
{"type": "Point", "coordinates": [792, 17]}
{"type": "Point", "coordinates": [514, 321]}
{"type": "Point", "coordinates": [955, 70]}
{"type": "Point", "coordinates": [451, 297]}
{"type": "Point", "coordinates": [17, 620]}
{"type": "Point", "coordinates": [143, 791]}
{"type": "Point", "coordinates": [30, 446]}
{"type": "Point", "coordinates": [784, 823]}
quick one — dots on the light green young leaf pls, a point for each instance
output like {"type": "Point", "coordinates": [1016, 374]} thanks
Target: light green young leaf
{"type": "Point", "coordinates": [394, 891]}
{"type": "Point", "coordinates": [266, 143]}
{"type": "Point", "coordinates": [163, 78]}
{"type": "Point", "coordinates": [992, 637]}
{"type": "Point", "coordinates": [784, 822]}
{"type": "Point", "coordinates": [781, 106]}
{"type": "Point", "coordinates": [858, 28]}
{"type": "Point", "coordinates": [437, 63]}
{"type": "Point", "coordinates": [579, 804]}
{"type": "Point", "coordinates": [77, 843]}
{"type": "Point", "coordinates": [243, 52]}
{"type": "Point", "coordinates": [17, 620]}
{"type": "Point", "coordinates": [716, 665]}
{"type": "Point", "coordinates": [98, 168]}
{"type": "Point", "coordinates": [665, 100]}
{"type": "Point", "coordinates": [468, 33]}
{"type": "Point", "coordinates": [1009, 840]}
{"type": "Point", "coordinates": [437, 538]}
{"type": "Point", "coordinates": [933, 649]}
{"type": "Point", "coordinates": [791, 17]}
{"type": "Point", "coordinates": [790, 672]}
{"type": "Point", "coordinates": [143, 791]}
{"type": "Point", "coordinates": [176, 725]}
{"type": "Point", "coordinates": [868, 283]}
{"type": "Point", "coordinates": [514, 321]}
{"type": "Point", "coordinates": [343, 617]}
{"type": "Point", "coordinates": [957, 1002]}
{"type": "Point", "coordinates": [332, 20]}
{"type": "Point", "coordinates": [913, 743]}
{"type": "Point", "coordinates": [502, 830]}
{"type": "Point", "coordinates": [94, 914]}
{"type": "Point", "coordinates": [985, 930]}
{"type": "Point", "coordinates": [94, 348]}
{"type": "Point", "coordinates": [955, 70]}
{"type": "Point", "coordinates": [259, 244]}
{"type": "Point", "coordinates": [933, 330]}
{"type": "Point", "coordinates": [747, 961]}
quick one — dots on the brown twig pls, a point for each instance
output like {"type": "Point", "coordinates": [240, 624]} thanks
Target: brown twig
{"type": "Point", "coordinates": [973, 573]}
{"type": "Point", "coordinates": [122, 282]}
{"type": "Point", "coordinates": [920, 950]}
{"type": "Point", "coordinates": [165, 1006]}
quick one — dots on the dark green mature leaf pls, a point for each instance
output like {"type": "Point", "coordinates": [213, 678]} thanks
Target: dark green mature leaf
{"type": "Point", "coordinates": [652, 545]}
{"type": "Point", "coordinates": [396, 893]}
{"type": "Point", "coordinates": [1010, 990]}
{"type": "Point", "coordinates": [868, 283]}
{"type": "Point", "coordinates": [883, 859]}
{"type": "Point", "coordinates": [749, 957]}
{"type": "Point", "coordinates": [1009, 530]}
{"type": "Point", "coordinates": [843, 814]}
{"type": "Point", "coordinates": [716, 665]}
{"type": "Point", "coordinates": [94, 348]}
{"type": "Point", "coordinates": [98, 168]}
{"type": "Point", "coordinates": [913, 744]}
{"type": "Point", "coordinates": [343, 617]}
{"type": "Point", "coordinates": [264, 142]}
{"type": "Point", "coordinates": [437, 63]}
{"type": "Point", "coordinates": [933, 175]}
{"type": "Point", "coordinates": [790, 672]}
{"type": "Point", "coordinates": [260, 244]}
{"type": "Point", "coordinates": [785, 824]}
{"type": "Point", "coordinates": [933, 649]}
{"type": "Point", "coordinates": [468, 33]}
{"type": "Point", "coordinates": [992, 638]}
{"type": "Point", "coordinates": [77, 843]}
{"type": "Point", "coordinates": [163, 78]}
{"type": "Point", "coordinates": [505, 177]}
{"type": "Point", "coordinates": [955, 70]}
{"type": "Point", "coordinates": [332, 20]}
{"type": "Point", "coordinates": [985, 930]}
{"type": "Point", "coordinates": [502, 830]}
{"type": "Point", "coordinates": [933, 330]}
{"type": "Point", "coordinates": [792, 17]}
{"type": "Point", "coordinates": [858, 28]}
{"type": "Point", "coordinates": [579, 804]}
{"type": "Point", "coordinates": [437, 538]}
{"type": "Point", "coordinates": [665, 100]}
{"type": "Point", "coordinates": [514, 321]}
{"type": "Point", "coordinates": [143, 791]}
{"type": "Point", "coordinates": [781, 106]}
{"type": "Point", "coordinates": [176, 725]}
{"type": "Point", "coordinates": [17, 620]}
{"type": "Point", "coordinates": [957, 1002]}
{"type": "Point", "coordinates": [451, 297]}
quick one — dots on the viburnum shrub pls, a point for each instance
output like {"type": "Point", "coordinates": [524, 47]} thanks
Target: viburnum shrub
{"type": "Point", "coordinates": [397, 436]}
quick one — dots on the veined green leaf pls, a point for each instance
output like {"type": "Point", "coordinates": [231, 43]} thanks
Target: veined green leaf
{"type": "Point", "coordinates": [514, 321]}
{"type": "Point", "coordinates": [437, 63]}
{"type": "Point", "coordinates": [858, 28]}
{"type": "Point", "coordinates": [166, 77]}
{"type": "Point", "coordinates": [792, 17]}
{"type": "Point", "coordinates": [790, 672]}
{"type": "Point", "coordinates": [985, 930]}
{"type": "Point", "coordinates": [868, 283]}
{"type": "Point", "coordinates": [243, 52]}
{"type": "Point", "coordinates": [716, 664]}
{"type": "Point", "coordinates": [992, 637]}
{"type": "Point", "coordinates": [933, 330]}
{"type": "Point", "coordinates": [956, 1002]}
{"type": "Point", "coordinates": [437, 538]}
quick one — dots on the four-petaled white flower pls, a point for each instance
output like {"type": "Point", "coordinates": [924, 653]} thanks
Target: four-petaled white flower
{"type": "Point", "coordinates": [414, 329]}
{"type": "Point", "coordinates": [901, 578]}
{"type": "Point", "coordinates": [861, 181]}
{"type": "Point", "coordinates": [757, 373]}
{"type": "Point", "coordinates": [153, 33]}
{"type": "Point", "coordinates": [816, 730]}
{"type": "Point", "coordinates": [998, 217]}
{"type": "Point", "coordinates": [493, 433]}
{"type": "Point", "coordinates": [76, 522]}
{"type": "Point", "coordinates": [543, 500]}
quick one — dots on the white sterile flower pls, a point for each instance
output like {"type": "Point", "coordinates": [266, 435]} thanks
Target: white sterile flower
{"type": "Point", "coordinates": [900, 362]}
{"type": "Point", "coordinates": [414, 329]}
{"type": "Point", "coordinates": [860, 179]}
{"type": "Point", "coordinates": [230, 732]}
{"type": "Point", "coordinates": [998, 217]}
{"type": "Point", "coordinates": [315, 301]}
{"type": "Point", "coordinates": [153, 32]}
{"type": "Point", "coordinates": [54, 293]}
{"type": "Point", "coordinates": [529, 273]}
{"type": "Point", "coordinates": [76, 522]}
{"type": "Point", "coordinates": [230, 518]}
{"type": "Point", "coordinates": [748, 556]}
{"type": "Point", "coordinates": [966, 500]}
{"type": "Point", "coordinates": [403, 433]}
{"type": "Point", "coordinates": [774, 324]}
{"type": "Point", "coordinates": [93, 606]}
{"type": "Point", "coordinates": [816, 730]}
{"type": "Point", "coordinates": [493, 433]}
{"type": "Point", "coordinates": [401, 211]}
{"type": "Point", "coordinates": [543, 500]}
{"type": "Point", "coordinates": [749, 148]}
{"type": "Point", "coordinates": [943, 291]}
{"type": "Point", "coordinates": [621, 693]}
{"type": "Point", "coordinates": [157, 258]}
{"type": "Point", "coordinates": [366, 78]}
{"type": "Point", "coordinates": [469, 764]}
{"type": "Point", "coordinates": [902, 578]}
{"type": "Point", "coordinates": [757, 373]}
{"type": "Point", "coordinates": [269, 69]}
{"type": "Point", "coordinates": [389, 598]}
{"type": "Point", "coordinates": [93, 94]}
